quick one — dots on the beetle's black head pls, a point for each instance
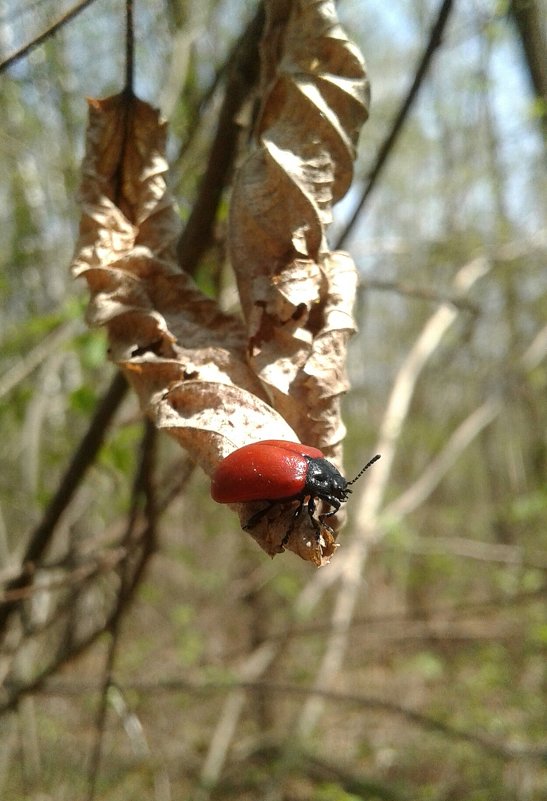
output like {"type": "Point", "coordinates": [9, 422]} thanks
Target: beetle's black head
{"type": "Point", "coordinates": [325, 481]}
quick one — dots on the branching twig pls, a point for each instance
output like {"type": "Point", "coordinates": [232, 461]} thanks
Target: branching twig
{"type": "Point", "coordinates": [96, 563]}
{"type": "Point", "coordinates": [28, 362]}
{"type": "Point", "coordinates": [497, 749]}
{"type": "Point", "coordinates": [45, 35]}
{"type": "Point", "coordinates": [498, 553]}
{"type": "Point", "coordinates": [423, 293]}
{"type": "Point", "coordinates": [197, 234]}
{"type": "Point", "coordinates": [14, 691]}
{"type": "Point", "coordinates": [83, 458]}
{"type": "Point", "coordinates": [70, 650]}
{"type": "Point", "coordinates": [143, 500]}
{"type": "Point", "coordinates": [388, 144]}
{"type": "Point", "coordinates": [351, 562]}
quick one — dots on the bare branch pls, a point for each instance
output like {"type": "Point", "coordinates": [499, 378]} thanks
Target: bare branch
{"type": "Point", "coordinates": [27, 363]}
{"type": "Point", "coordinates": [143, 496]}
{"type": "Point", "coordinates": [387, 146]}
{"type": "Point", "coordinates": [481, 551]}
{"type": "Point", "coordinates": [431, 477]}
{"type": "Point", "coordinates": [243, 73]}
{"type": "Point", "coordinates": [83, 458]}
{"type": "Point", "coordinates": [461, 438]}
{"type": "Point", "coordinates": [45, 35]}
{"type": "Point", "coordinates": [351, 562]}
{"type": "Point", "coordinates": [420, 292]}
{"type": "Point", "coordinates": [495, 748]}
{"type": "Point", "coordinates": [129, 47]}
{"type": "Point", "coordinates": [527, 15]}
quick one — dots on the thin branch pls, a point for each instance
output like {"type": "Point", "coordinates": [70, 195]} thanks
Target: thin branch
{"type": "Point", "coordinates": [143, 496]}
{"type": "Point", "coordinates": [71, 649]}
{"type": "Point", "coordinates": [442, 615]}
{"type": "Point", "coordinates": [33, 358]}
{"type": "Point", "coordinates": [199, 107]}
{"type": "Point", "coordinates": [45, 35]}
{"type": "Point", "coordinates": [466, 548]}
{"type": "Point", "coordinates": [129, 47]}
{"type": "Point", "coordinates": [81, 461]}
{"type": "Point", "coordinates": [491, 746]}
{"type": "Point", "coordinates": [14, 691]}
{"type": "Point", "coordinates": [435, 40]}
{"type": "Point", "coordinates": [527, 15]}
{"type": "Point", "coordinates": [351, 562]}
{"type": "Point", "coordinates": [197, 234]}
{"type": "Point", "coordinates": [433, 474]}
{"type": "Point", "coordinates": [172, 484]}
{"type": "Point", "coordinates": [423, 293]}
{"type": "Point", "coordinates": [97, 563]}
{"type": "Point", "coordinates": [256, 664]}
{"type": "Point", "coordinates": [462, 437]}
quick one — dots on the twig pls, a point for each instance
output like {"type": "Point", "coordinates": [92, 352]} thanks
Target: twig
{"type": "Point", "coordinates": [255, 666]}
{"type": "Point", "coordinates": [172, 483]}
{"type": "Point", "coordinates": [146, 538]}
{"type": "Point", "coordinates": [443, 614]}
{"type": "Point", "coordinates": [15, 691]}
{"type": "Point", "coordinates": [42, 37]}
{"type": "Point", "coordinates": [199, 108]}
{"type": "Point", "coordinates": [143, 496]}
{"type": "Point", "coordinates": [505, 751]}
{"type": "Point", "coordinates": [435, 39]}
{"type": "Point", "coordinates": [500, 750]}
{"type": "Point", "coordinates": [475, 549]}
{"type": "Point", "coordinates": [459, 440]}
{"type": "Point", "coordinates": [83, 458]}
{"type": "Point", "coordinates": [33, 358]}
{"type": "Point", "coordinates": [197, 234]}
{"type": "Point", "coordinates": [129, 48]}
{"type": "Point", "coordinates": [422, 293]}
{"type": "Point", "coordinates": [97, 563]}
{"type": "Point", "coordinates": [351, 562]}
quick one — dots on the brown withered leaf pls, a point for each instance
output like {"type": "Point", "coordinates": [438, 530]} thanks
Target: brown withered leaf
{"type": "Point", "coordinates": [208, 379]}
{"type": "Point", "coordinates": [185, 358]}
{"type": "Point", "coordinates": [297, 297]}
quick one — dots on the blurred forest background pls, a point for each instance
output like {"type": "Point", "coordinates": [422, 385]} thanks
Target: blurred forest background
{"type": "Point", "coordinates": [158, 653]}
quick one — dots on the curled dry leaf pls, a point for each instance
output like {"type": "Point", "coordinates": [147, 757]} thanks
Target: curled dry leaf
{"type": "Point", "coordinates": [296, 295]}
{"type": "Point", "coordinates": [202, 375]}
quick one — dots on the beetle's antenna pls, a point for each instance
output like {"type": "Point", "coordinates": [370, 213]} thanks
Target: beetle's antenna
{"type": "Point", "coordinates": [366, 467]}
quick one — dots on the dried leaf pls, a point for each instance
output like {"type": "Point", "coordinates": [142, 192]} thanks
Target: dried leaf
{"type": "Point", "coordinates": [203, 376]}
{"type": "Point", "coordinates": [297, 297]}
{"type": "Point", "coordinates": [170, 339]}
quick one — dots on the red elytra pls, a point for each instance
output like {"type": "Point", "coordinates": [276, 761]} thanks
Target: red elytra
{"type": "Point", "coordinates": [276, 471]}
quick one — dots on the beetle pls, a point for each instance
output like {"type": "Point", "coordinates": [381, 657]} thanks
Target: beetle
{"type": "Point", "coordinates": [276, 471]}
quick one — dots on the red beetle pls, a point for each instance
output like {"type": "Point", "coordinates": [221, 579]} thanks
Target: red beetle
{"type": "Point", "coordinates": [275, 471]}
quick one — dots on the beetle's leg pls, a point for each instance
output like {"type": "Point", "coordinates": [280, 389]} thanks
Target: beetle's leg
{"type": "Point", "coordinates": [295, 517]}
{"type": "Point", "coordinates": [335, 503]}
{"type": "Point", "coordinates": [257, 517]}
{"type": "Point", "coordinates": [311, 512]}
